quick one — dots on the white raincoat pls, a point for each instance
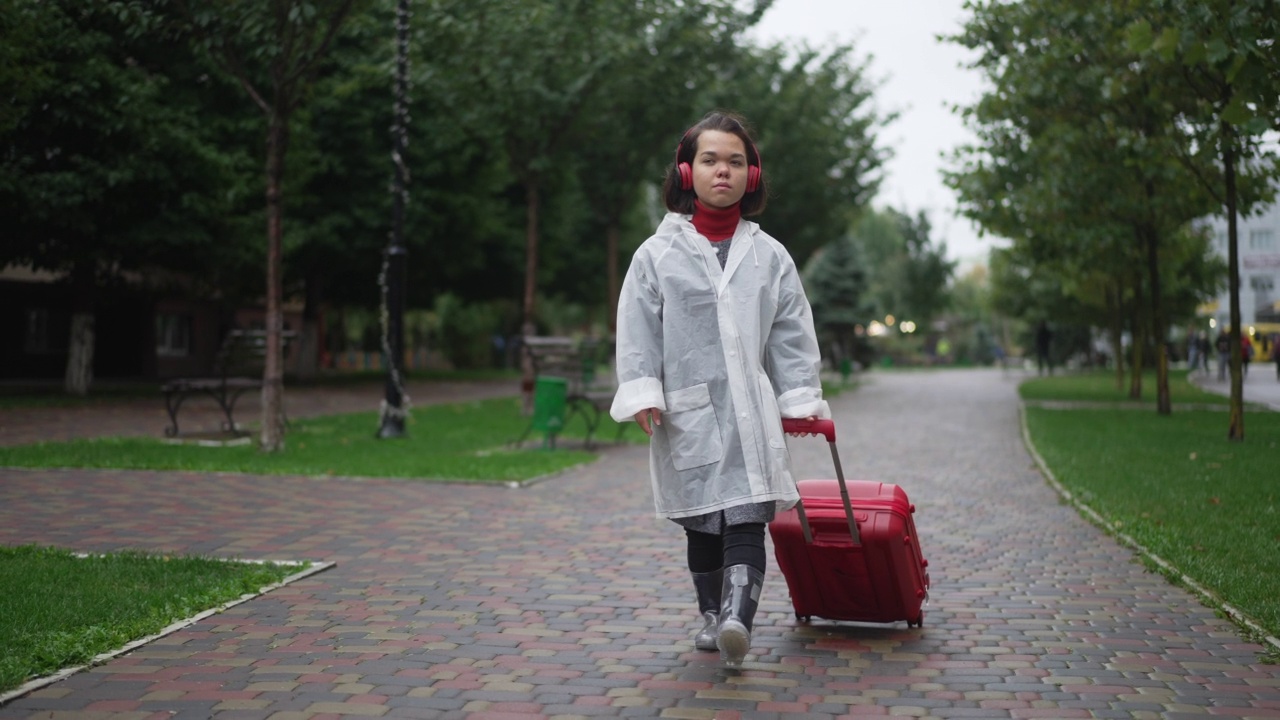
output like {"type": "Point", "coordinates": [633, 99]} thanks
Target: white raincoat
{"type": "Point", "coordinates": [724, 354]}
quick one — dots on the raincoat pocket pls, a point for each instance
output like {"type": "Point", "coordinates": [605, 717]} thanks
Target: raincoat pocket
{"type": "Point", "coordinates": [772, 419]}
{"type": "Point", "coordinates": [692, 427]}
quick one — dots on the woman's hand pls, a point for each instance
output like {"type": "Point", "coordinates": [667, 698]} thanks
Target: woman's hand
{"type": "Point", "coordinates": [643, 418]}
{"type": "Point", "coordinates": [811, 418]}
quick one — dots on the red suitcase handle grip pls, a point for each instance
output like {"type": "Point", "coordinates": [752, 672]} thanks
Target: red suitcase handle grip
{"type": "Point", "coordinates": [820, 426]}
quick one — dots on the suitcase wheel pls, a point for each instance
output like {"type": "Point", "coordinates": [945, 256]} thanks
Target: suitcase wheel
{"type": "Point", "coordinates": [918, 622]}
{"type": "Point", "coordinates": [803, 618]}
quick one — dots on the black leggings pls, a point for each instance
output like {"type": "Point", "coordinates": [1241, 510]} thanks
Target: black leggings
{"type": "Point", "coordinates": [740, 545]}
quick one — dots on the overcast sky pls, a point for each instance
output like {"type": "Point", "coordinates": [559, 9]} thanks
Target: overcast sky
{"type": "Point", "coordinates": [920, 78]}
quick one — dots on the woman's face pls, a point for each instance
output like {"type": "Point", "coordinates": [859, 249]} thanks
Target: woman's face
{"type": "Point", "coordinates": [719, 169]}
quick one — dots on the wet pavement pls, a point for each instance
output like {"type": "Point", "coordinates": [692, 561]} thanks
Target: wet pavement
{"type": "Point", "coordinates": [1261, 384]}
{"type": "Point", "coordinates": [567, 599]}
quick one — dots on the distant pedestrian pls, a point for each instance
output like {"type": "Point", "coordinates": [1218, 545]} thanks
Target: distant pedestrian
{"type": "Point", "coordinates": [1223, 345]}
{"type": "Point", "coordinates": [1193, 351]}
{"type": "Point", "coordinates": [997, 351]}
{"type": "Point", "coordinates": [1275, 353]}
{"type": "Point", "coordinates": [1246, 353]}
{"type": "Point", "coordinates": [715, 345]}
{"type": "Point", "coordinates": [1205, 348]}
{"type": "Point", "coordinates": [1044, 339]}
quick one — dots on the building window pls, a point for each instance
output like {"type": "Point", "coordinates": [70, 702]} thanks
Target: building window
{"type": "Point", "coordinates": [36, 339]}
{"type": "Point", "coordinates": [1262, 239]}
{"type": "Point", "coordinates": [1263, 287]}
{"type": "Point", "coordinates": [173, 335]}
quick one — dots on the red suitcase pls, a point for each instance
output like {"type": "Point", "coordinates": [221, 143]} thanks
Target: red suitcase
{"type": "Point", "coordinates": [870, 570]}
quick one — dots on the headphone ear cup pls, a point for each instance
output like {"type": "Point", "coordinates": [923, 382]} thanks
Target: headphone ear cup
{"type": "Point", "coordinates": [686, 175]}
{"type": "Point", "coordinates": [753, 178]}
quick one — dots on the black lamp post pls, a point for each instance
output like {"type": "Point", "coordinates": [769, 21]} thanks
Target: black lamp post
{"type": "Point", "coordinates": [395, 405]}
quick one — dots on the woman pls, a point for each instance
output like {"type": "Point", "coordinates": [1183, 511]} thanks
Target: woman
{"type": "Point", "coordinates": [716, 344]}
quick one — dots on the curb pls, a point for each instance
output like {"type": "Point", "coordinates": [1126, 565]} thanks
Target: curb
{"type": "Point", "coordinates": [64, 673]}
{"type": "Point", "coordinates": [1206, 595]}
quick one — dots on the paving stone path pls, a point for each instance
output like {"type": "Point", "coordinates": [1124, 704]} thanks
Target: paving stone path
{"type": "Point", "coordinates": [567, 599]}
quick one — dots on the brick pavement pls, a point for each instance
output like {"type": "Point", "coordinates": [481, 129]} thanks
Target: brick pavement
{"type": "Point", "coordinates": [567, 599]}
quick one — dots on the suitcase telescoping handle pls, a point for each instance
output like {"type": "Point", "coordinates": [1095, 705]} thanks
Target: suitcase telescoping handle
{"type": "Point", "coordinates": [826, 428]}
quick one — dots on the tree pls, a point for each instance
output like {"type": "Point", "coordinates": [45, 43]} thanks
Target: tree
{"type": "Point", "coordinates": [975, 328]}
{"type": "Point", "coordinates": [273, 50]}
{"type": "Point", "coordinates": [836, 283]}
{"type": "Point", "coordinates": [1230, 68]}
{"type": "Point", "coordinates": [908, 275]}
{"type": "Point", "coordinates": [637, 94]}
{"type": "Point", "coordinates": [530, 69]}
{"type": "Point", "coordinates": [816, 132]}
{"type": "Point", "coordinates": [102, 171]}
{"type": "Point", "coordinates": [1077, 137]}
{"type": "Point", "coordinates": [925, 272]}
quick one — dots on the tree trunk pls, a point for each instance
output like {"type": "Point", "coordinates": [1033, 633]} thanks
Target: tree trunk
{"type": "Point", "coordinates": [309, 340]}
{"type": "Point", "coordinates": [611, 262]}
{"type": "Point", "coordinates": [273, 374]}
{"type": "Point", "coordinates": [528, 328]}
{"type": "Point", "coordinates": [80, 346]}
{"type": "Point", "coordinates": [1117, 333]}
{"type": "Point", "coordinates": [1139, 343]}
{"type": "Point", "coordinates": [1152, 239]}
{"type": "Point", "coordinates": [1235, 428]}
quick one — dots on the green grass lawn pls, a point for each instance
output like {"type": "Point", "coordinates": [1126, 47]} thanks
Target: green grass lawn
{"type": "Point", "coordinates": [58, 610]}
{"type": "Point", "coordinates": [1099, 386]}
{"type": "Point", "coordinates": [1176, 485]}
{"type": "Point", "coordinates": [460, 441]}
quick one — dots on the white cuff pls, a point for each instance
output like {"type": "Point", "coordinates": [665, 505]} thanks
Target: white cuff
{"type": "Point", "coordinates": [803, 403]}
{"type": "Point", "coordinates": [636, 395]}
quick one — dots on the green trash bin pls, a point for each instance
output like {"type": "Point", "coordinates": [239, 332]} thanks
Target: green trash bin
{"type": "Point", "coordinates": [549, 395]}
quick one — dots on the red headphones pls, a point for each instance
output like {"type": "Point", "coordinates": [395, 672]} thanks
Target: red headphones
{"type": "Point", "coordinates": [685, 170]}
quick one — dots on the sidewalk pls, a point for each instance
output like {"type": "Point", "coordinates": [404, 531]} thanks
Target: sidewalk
{"type": "Point", "coordinates": [567, 599]}
{"type": "Point", "coordinates": [1260, 384]}
{"type": "Point", "coordinates": [147, 416]}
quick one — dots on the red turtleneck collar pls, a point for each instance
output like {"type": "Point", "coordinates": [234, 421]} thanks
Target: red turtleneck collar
{"type": "Point", "coordinates": [716, 224]}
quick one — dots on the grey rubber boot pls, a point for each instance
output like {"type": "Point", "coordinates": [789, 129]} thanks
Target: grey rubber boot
{"type": "Point", "coordinates": [740, 596]}
{"type": "Point", "coordinates": [707, 585]}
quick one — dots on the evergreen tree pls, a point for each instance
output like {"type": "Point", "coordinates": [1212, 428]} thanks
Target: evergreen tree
{"type": "Point", "coordinates": [837, 284]}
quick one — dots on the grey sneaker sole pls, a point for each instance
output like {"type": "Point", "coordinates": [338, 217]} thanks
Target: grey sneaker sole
{"type": "Point", "coordinates": [734, 642]}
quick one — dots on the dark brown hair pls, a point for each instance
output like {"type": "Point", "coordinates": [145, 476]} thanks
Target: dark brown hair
{"type": "Point", "coordinates": [680, 200]}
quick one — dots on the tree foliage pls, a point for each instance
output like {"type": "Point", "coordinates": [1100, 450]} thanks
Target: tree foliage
{"type": "Point", "coordinates": [816, 132]}
{"type": "Point", "coordinates": [101, 172]}
{"type": "Point", "coordinates": [1226, 68]}
{"type": "Point", "coordinates": [145, 134]}
{"type": "Point", "coordinates": [908, 274]}
{"type": "Point", "coordinates": [835, 279]}
{"type": "Point", "coordinates": [1077, 158]}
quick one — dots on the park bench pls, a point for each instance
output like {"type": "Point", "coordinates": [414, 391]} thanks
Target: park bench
{"type": "Point", "coordinates": [238, 368]}
{"type": "Point", "coordinates": [574, 361]}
